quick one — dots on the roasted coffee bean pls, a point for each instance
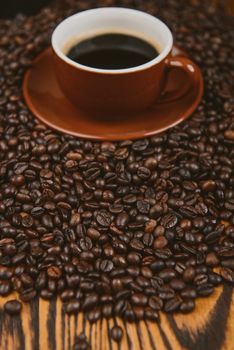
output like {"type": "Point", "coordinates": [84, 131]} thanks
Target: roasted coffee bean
{"type": "Point", "coordinates": [139, 299]}
{"type": "Point", "coordinates": [13, 307]}
{"type": "Point", "coordinates": [150, 226]}
{"type": "Point", "coordinates": [46, 294]}
{"type": "Point", "coordinates": [164, 253]}
{"type": "Point", "coordinates": [120, 307]}
{"type": "Point", "coordinates": [166, 293]}
{"type": "Point", "coordinates": [160, 242]}
{"type": "Point", "coordinates": [167, 274]}
{"type": "Point", "coordinates": [200, 279]}
{"type": "Point", "coordinates": [143, 173]}
{"type": "Point", "coordinates": [67, 294]}
{"type": "Point", "coordinates": [54, 272]}
{"type": "Point", "coordinates": [28, 294]}
{"type": "Point", "coordinates": [169, 220]}
{"type": "Point", "coordinates": [116, 333]}
{"type": "Point", "coordinates": [136, 244]}
{"type": "Point", "coordinates": [155, 303]}
{"type": "Point", "coordinates": [157, 283]}
{"type": "Point", "coordinates": [133, 271]}
{"type": "Point", "coordinates": [227, 274]}
{"type": "Point", "coordinates": [103, 218]}
{"type": "Point", "coordinates": [157, 265]}
{"type": "Point", "coordinates": [134, 258]}
{"type": "Point", "coordinates": [139, 313]}
{"type": "Point", "coordinates": [212, 259]}
{"type": "Point", "coordinates": [214, 278]}
{"type": "Point", "coordinates": [106, 265]}
{"type": "Point", "coordinates": [94, 315]}
{"type": "Point", "coordinates": [148, 239]}
{"type": "Point", "coordinates": [151, 315]}
{"type": "Point", "coordinates": [208, 185]}
{"type": "Point", "coordinates": [172, 304]}
{"type": "Point", "coordinates": [107, 310]}
{"type": "Point", "coordinates": [205, 289]}
{"type": "Point", "coordinates": [228, 263]}
{"type": "Point", "coordinates": [143, 206]}
{"type": "Point", "coordinates": [226, 252]}
{"type": "Point", "coordinates": [188, 211]}
{"type": "Point", "coordinates": [189, 274]}
{"type": "Point", "coordinates": [187, 306]}
{"type": "Point", "coordinates": [177, 284]}
{"type": "Point", "coordinates": [86, 244]}
{"type": "Point", "coordinates": [90, 301]}
{"type": "Point", "coordinates": [93, 233]}
{"type": "Point", "coordinates": [5, 288]}
{"type": "Point", "coordinates": [121, 153]}
{"type": "Point", "coordinates": [5, 273]}
{"type": "Point", "coordinates": [129, 316]}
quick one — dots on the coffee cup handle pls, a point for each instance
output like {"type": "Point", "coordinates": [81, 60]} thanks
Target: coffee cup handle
{"type": "Point", "coordinates": [192, 71]}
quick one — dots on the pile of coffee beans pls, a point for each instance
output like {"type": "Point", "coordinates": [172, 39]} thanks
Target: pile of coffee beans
{"type": "Point", "coordinates": [118, 229]}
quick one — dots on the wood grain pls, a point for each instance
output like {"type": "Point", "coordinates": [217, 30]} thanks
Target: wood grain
{"type": "Point", "coordinates": [44, 325]}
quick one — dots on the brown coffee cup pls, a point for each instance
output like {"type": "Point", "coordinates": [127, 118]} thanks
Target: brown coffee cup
{"type": "Point", "coordinates": [112, 93]}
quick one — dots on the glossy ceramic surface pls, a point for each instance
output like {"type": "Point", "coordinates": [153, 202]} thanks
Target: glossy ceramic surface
{"type": "Point", "coordinates": [47, 102]}
{"type": "Point", "coordinates": [107, 93]}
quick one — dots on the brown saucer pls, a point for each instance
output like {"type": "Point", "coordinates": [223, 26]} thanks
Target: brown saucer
{"type": "Point", "coordinates": [46, 101]}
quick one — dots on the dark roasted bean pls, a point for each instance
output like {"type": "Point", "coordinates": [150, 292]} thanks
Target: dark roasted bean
{"type": "Point", "coordinates": [189, 274]}
{"type": "Point", "coordinates": [169, 220]}
{"type": "Point", "coordinates": [46, 294]}
{"type": "Point", "coordinates": [103, 218]}
{"type": "Point", "coordinates": [13, 307]}
{"type": "Point", "coordinates": [167, 275]}
{"type": "Point", "coordinates": [67, 294]}
{"type": "Point", "coordinates": [214, 278]}
{"type": "Point", "coordinates": [54, 272]}
{"type": "Point", "coordinates": [200, 279]}
{"type": "Point", "coordinates": [228, 263]}
{"type": "Point", "coordinates": [28, 295]}
{"type": "Point", "coordinates": [90, 301]}
{"type": "Point", "coordinates": [107, 310]}
{"type": "Point", "coordinates": [227, 274]}
{"type": "Point", "coordinates": [94, 315]}
{"type": "Point", "coordinates": [139, 313]}
{"type": "Point", "coordinates": [189, 293]}
{"type": "Point", "coordinates": [155, 303]}
{"type": "Point", "coordinates": [212, 259]}
{"type": "Point", "coordinates": [160, 242]}
{"type": "Point", "coordinates": [187, 306]}
{"type": "Point", "coordinates": [5, 273]}
{"type": "Point", "coordinates": [205, 289]}
{"type": "Point", "coordinates": [166, 293]}
{"type": "Point", "coordinates": [177, 284]}
{"type": "Point", "coordinates": [139, 299]}
{"type": "Point", "coordinates": [5, 288]}
{"type": "Point", "coordinates": [116, 333]}
{"type": "Point", "coordinates": [172, 304]}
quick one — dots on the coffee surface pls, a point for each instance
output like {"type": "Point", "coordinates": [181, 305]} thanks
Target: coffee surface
{"type": "Point", "coordinates": [112, 51]}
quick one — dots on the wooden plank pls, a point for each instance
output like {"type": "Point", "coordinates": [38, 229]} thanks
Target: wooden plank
{"type": "Point", "coordinates": [43, 325]}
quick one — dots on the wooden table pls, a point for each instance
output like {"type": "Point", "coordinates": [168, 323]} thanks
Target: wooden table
{"type": "Point", "coordinates": [44, 325]}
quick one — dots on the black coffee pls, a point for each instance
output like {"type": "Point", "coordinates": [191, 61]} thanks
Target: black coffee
{"type": "Point", "coordinates": [112, 51]}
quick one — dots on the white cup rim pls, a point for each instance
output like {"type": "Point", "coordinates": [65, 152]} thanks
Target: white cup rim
{"type": "Point", "coordinates": [131, 12]}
